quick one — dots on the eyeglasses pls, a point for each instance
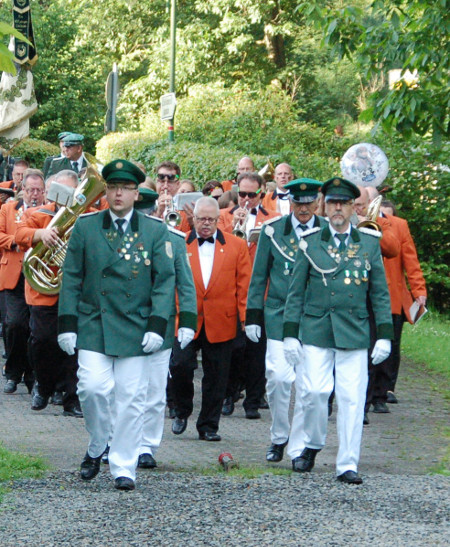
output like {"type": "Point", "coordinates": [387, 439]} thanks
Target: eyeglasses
{"type": "Point", "coordinates": [204, 220]}
{"type": "Point", "coordinates": [115, 187]}
{"type": "Point", "coordinates": [251, 195]}
{"type": "Point", "coordinates": [34, 190]}
{"type": "Point", "coordinates": [170, 178]}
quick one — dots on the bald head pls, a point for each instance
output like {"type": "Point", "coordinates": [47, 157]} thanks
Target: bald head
{"type": "Point", "coordinates": [245, 165]}
{"type": "Point", "coordinates": [362, 203]}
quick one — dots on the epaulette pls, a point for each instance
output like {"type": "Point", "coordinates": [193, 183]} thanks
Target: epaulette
{"type": "Point", "coordinates": [153, 218]}
{"type": "Point", "coordinates": [89, 214]}
{"type": "Point", "coordinates": [307, 233]}
{"type": "Point", "coordinates": [47, 212]}
{"type": "Point", "coordinates": [177, 232]}
{"type": "Point", "coordinates": [370, 232]}
{"type": "Point", "coordinates": [58, 158]}
{"type": "Point", "coordinates": [274, 219]}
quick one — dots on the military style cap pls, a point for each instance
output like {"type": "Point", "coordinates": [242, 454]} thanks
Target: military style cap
{"type": "Point", "coordinates": [339, 188]}
{"type": "Point", "coordinates": [303, 190]}
{"type": "Point", "coordinates": [146, 199]}
{"type": "Point", "coordinates": [73, 139]}
{"type": "Point", "coordinates": [63, 135]}
{"type": "Point", "coordinates": [122, 171]}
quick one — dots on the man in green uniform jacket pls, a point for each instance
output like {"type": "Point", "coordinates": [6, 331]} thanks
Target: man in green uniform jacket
{"type": "Point", "coordinates": [73, 159]}
{"type": "Point", "coordinates": [118, 278]}
{"type": "Point", "coordinates": [274, 262]}
{"type": "Point", "coordinates": [336, 268]}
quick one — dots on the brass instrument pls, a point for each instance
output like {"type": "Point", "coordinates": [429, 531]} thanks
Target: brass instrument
{"type": "Point", "coordinates": [373, 212]}
{"type": "Point", "coordinates": [239, 229]}
{"type": "Point", "coordinates": [268, 171]}
{"type": "Point", "coordinates": [172, 217]}
{"type": "Point", "coordinates": [41, 264]}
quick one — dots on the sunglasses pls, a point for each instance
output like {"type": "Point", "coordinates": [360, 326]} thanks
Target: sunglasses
{"type": "Point", "coordinates": [250, 195]}
{"type": "Point", "coordinates": [170, 178]}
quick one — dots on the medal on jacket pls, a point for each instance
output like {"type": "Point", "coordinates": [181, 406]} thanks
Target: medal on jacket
{"type": "Point", "coordinates": [356, 276]}
{"type": "Point", "coordinates": [347, 279]}
{"type": "Point", "coordinates": [286, 268]}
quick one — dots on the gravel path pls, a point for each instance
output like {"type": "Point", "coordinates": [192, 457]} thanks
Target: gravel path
{"type": "Point", "coordinates": [181, 505]}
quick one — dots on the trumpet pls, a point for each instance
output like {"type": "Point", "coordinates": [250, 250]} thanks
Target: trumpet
{"type": "Point", "coordinates": [239, 229]}
{"type": "Point", "coordinates": [171, 216]}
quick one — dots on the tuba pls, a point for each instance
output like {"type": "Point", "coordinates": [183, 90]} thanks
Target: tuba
{"type": "Point", "coordinates": [42, 265]}
{"type": "Point", "coordinates": [372, 214]}
{"type": "Point", "coordinates": [267, 172]}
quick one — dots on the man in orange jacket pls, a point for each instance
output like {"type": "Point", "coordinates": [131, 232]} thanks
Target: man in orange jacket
{"type": "Point", "coordinates": [221, 269]}
{"type": "Point", "coordinates": [12, 281]}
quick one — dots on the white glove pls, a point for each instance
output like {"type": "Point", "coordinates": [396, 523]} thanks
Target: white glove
{"type": "Point", "coordinates": [185, 336]}
{"type": "Point", "coordinates": [253, 332]}
{"type": "Point", "coordinates": [152, 342]}
{"type": "Point", "coordinates": [293, 351]}
{"type": "Point", "coordinates": [67, 342]}
{"type": "Point", "coordinates": [381, 351]}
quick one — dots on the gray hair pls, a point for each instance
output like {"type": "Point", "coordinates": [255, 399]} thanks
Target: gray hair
{"type": "Point", "coordinates": [32, 173]}
{"type": "Point", "coordinates": [67, 173]}
{"type": "Point", "coordinates": [208, 202]}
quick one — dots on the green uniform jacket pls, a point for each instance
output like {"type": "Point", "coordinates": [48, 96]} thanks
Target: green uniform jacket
{"type": "Point", "coordinates": [335, 315]}
{"type": "Point", "coordinates": [185, 288]}
{"type": "Point", "coordinates": [59, 164]}
{"type": "Point", "coordinates": [115, 288]}
{"type": "Point", "coordinates": [47, 162]}
{"type": "Point", "coordinates": [275, 270]}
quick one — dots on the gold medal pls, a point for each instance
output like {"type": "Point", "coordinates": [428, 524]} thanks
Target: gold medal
{"type": "Point", "coordinates": [147, 262]}
{"type": "Point", "coordinates": [127, 257]}
{"type": "Point", "coordinates": [347, 281]}
{"type": "Point", "coordinates": [357, 282]}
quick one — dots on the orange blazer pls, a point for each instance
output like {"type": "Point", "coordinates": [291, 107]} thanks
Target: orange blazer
{"type": "Point", "coordinates": [225, 297]}
{"type": "Point", "coordinates": [226, 219]}
{"type": "Point", "coordinates": [389, 243]}
{"type": "Point", "coordinates": [405, 263]}
{"type": "Point", "coordinates": [12, 256]}
{"type": "Point", "coordinates": [32, 220]}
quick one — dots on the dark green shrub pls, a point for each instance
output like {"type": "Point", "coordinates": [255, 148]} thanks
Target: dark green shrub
{"type": "Point", "coordinates": [34, 151]}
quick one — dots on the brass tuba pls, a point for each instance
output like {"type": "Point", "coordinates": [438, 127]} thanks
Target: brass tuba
{"type": "Point", "coordinates": [41, 264]}
{"type": "Point", "coordinates": [267, 172]}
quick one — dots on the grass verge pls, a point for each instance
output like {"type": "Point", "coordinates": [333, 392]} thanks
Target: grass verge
{"type": "Point", "coordinates": [18, 466]}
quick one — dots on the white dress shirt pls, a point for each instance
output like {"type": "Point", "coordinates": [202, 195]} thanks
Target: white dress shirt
{"type": "Point", "coordinates": [296, 225]}
{"type": "Point", "coordinates": [206, 256]}
{"type": "Point", "coordinates": [336, 239]}
{"type": "Point", "coordinates": [126, 218]}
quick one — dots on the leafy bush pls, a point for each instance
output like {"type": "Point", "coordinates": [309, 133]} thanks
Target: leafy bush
{"type": "Point", "coordinates": [35, 151]}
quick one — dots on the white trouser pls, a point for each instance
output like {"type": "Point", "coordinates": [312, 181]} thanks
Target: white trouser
{"type": "Point", "coordinates": [350, 386]}
{"type": "Point", "coordinates": [99, 375]}
{"type": "Point", "coordinates": [280, 376]}
{"type": "Point", "coordinates": [156, 402]}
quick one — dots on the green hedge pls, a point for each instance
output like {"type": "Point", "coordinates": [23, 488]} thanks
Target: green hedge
{"type": "Point", "coordinates": [34, 151]}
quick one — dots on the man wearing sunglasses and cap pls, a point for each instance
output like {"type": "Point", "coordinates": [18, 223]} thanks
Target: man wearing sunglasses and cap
{"type": "Point", "coordinates": [273, 266]}
{"type": "Point", "coordinates": [118, 278]}
{"type": "Point", "coordinates": [326, 325]}
{"type": "Point", "coordinates": [73, 158]}
{"type": "Point", "coordinates": [168, 184]}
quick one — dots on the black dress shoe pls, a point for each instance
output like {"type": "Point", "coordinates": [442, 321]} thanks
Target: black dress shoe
{"type": "Point", "coordinates": [380, 408]}
{"type": "Point", "coordinates": [124, 483]}
{"type": "Point", "coordinates": [391, 398]}
{"type": "Point", "coordinates": [350, 477]}
{"type": "Point", "coordinates": [73, 411]}
{"type": "Point", "coordinates": [209, 436]}
{"type": "Point", "coordinates": [179, 425]}
{"type": "Point", "coordinates": [172, 413]}
{"type": "Point", "coordinates": [275, 452]}
{"type": "Point", "coordinates": [305, 462]}
{"type": "Point", "coordinates": [366, 419]}
{"type": "Point", "coordinates": [263, 404]}
{"type": "Point", "coordinates": [38, 402]}
{"type": "Point", "coordinates": [252, 414]}
{"type": "Point", "coordinates": [57, 398]}
{"type": "Point", "coordinates": [10, 386]}
{"type": "Point", "coordinates": [89, 467]}
{"type": "Point", "coordinates": [105, 456]}
{"type": "Point", "coordinates": [147, 461]}
{"type": "Point", "coordinates": [228, 406]}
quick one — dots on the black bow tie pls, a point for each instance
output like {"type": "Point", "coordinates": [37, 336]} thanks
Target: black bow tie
{"type": "Point", "coordinates": [202, 240]}
{"type": "Point", "coordinates": [254, 211]}
{"type": "Point", "coordinates": [283, 196]}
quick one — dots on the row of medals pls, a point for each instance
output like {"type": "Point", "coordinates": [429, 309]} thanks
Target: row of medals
{"type": "Point", "coordinates": [350, 252]}
{"type": "Point", "coordinates": [125, 250]}
{"type": "Point", "coordinates": [292, 253]}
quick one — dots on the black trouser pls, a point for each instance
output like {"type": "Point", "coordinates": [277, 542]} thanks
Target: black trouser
{"type": "Point", "coordinates": [249, 363]}
{"type": "Point", "coordinates": [17, 334]}
{"type": "Point", "coordinates": [393, 361]}
{"type": "Point", "coordinates": [378, 374]}
{"type": "Point", "coordinates": [2, 318]}
{"type": "Point", "coordinates": [216, 364]}
{"type": "Point", "coordinates": [52, 366]}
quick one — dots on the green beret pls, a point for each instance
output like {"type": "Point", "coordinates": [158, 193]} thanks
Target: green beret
{"type": "Point", "coordinates": [146, 199]}
{"type": "Point", "coordinates": [63, 135]}
{"type": "Point", "coordinates": [122, 171]}
{"type": "Point", "coordinates": [303, 190]}
{"type": "Point", "coordinates": [73, 139]}
{"type": "Point", "coordinates": [339, 188]}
